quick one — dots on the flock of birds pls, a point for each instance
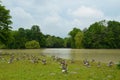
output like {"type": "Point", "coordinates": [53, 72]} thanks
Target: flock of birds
{"type": "Point", "coordinates": [35, 59]}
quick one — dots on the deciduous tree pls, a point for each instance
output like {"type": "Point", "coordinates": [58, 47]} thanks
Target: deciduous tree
{"type": "Point", "coordinates": [5, 22]}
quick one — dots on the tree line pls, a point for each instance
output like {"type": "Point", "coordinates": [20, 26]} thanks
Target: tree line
{"type": "Point", "coordinates": [102, 34]}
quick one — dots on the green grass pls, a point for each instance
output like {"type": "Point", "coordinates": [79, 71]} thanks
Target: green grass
{"type": "Point", "coordinates": [25, 70]}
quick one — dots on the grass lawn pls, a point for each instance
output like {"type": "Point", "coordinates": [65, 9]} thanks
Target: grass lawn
{"type": "Point", "coordinates": [25, 70]}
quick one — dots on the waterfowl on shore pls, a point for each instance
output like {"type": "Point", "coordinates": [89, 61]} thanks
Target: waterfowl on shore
{"type": "Point", "coordinates": [86, 63]}
{"type": "Point", "coordinates": [11, 59]}
{"type": "Point", "coordinates": [93, 60]}
{"type": "Point", "coordinates": [34, 59]}
{"type": "Point", "coordinates": [110, 63]}
{"type": "Point", "coordinates": [99, 64]}
{"type": "Point", "coordinates": [44, 61]}
{"type": "Point", "coordinates": [64, 68]}
{"type": "Point", "coordinates": [62, 62]}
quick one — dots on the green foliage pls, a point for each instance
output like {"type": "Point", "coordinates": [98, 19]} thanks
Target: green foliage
{"type": "Point", "coordinates": [21, 38]}
{"type": "Point", "coordinates": [18, 39]}
{"type": "Point", "coordinates": [2, 46]}
{"type": "Point", "coordinates": [94, 36]}
{"type": "Point", "coordinates": [72, 36]}
{"type": "Point", "coordinates": [67, 43]}
{"type": "Point", "coordinates": [5, 25]}
{"type": "Point", "coordinates": [14, 44]}
{"type": "Point", "coordinates": [54, 42]}
{"type": "Point", "coordinates": [113, 34]}
{"type": "Point", "coordinates": [36, 34]}
{"type": "Point", "coordinates": [49, 41]}
{"type": "Point", "coordinates": [32, 44]}
{"type": "Point", "coordinates": [102, 34]}
{"type": "Point", "coordinates": [78, 40]}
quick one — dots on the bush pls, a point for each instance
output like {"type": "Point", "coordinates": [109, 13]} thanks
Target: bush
{"type": "Point", "coordinates": [2, 46]}
{"type": "Point", "coordinates": [32, 44]}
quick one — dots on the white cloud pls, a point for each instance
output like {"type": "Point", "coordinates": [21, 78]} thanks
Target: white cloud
{"type": "Point", "coordinates": [21, 17]}
{"type": "Point", "coordinates": [83, 16]}
{"type": "Point", "coordinates": [87, 12]}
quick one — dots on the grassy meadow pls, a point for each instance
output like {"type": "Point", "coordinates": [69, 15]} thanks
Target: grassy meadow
{"type": "Point", "coordinates": [24, 69]}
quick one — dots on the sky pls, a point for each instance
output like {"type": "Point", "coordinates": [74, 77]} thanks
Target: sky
{"type": "Point", "coordinates": [59, 17]}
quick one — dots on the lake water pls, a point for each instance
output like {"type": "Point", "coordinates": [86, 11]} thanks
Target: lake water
{"type": "Point", "coordinates": [103, 55]}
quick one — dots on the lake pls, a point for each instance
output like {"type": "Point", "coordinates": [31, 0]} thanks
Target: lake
{"type": "Point", "coordinates": [102, 55]}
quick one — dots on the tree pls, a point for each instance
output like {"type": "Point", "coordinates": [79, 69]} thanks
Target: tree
{"type": "Point", "coordinates": [37, 35]}
{"type": "Point", "coordinates": [32, 44]}
{"type": "Point", "coordinates": [113, 34]}
{"type": "Point", "coordinates": [21, 38]}
{"type": "Point", "coordinates": [5, 27]}
{"type": "Point", "coordinates": [13, 43]}
{"type": "Point", "coordinates": [72, 36]}
{"type": "Point", "coordinates": [2, 46]}
{"type": "Point", "coordinates": [67, 43]}
{"type": "Point", "coordinates": [49, 41]}
{"type": "Point", "coordinates": [35, 32]}
{"type": "Point", "coordinates": [95, 35]}
{"type": "Point", "coordinates": [78, 40]}
{"type": "Point", "coordinates": [54, 42]}
{"type": "Point", "coordinates": [58, 42]}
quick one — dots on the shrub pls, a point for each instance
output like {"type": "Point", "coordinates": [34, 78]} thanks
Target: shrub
{"type": "Point", "coordinates": [32, 44]}
{"type": "Point", "coordinates": [2, 46]}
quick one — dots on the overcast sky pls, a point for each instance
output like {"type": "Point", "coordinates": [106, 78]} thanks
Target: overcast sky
{"type": "Point", "coordinates": [58, 17]}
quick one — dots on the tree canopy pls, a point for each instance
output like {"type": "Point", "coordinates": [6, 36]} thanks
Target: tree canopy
{"type": "Point", "coordinates": [5, 22]}
{"type": "Point", "coordinates": [73, 37]}
{"type": "Point", "coordinates": [103, 34]}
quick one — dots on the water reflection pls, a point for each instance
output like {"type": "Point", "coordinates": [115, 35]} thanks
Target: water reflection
{"type": "Point", "coordinates": [62, 53]}
{"type": "Point", "coordinates": [102, 55]}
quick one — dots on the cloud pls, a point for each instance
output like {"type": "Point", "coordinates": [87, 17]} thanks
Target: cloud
{"type": "Point", "coordinates": [84, 16]}
{"type": "Point", "coordinates": [21, 17]}
{"type": "Point", "coordinates": [87, 12]}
